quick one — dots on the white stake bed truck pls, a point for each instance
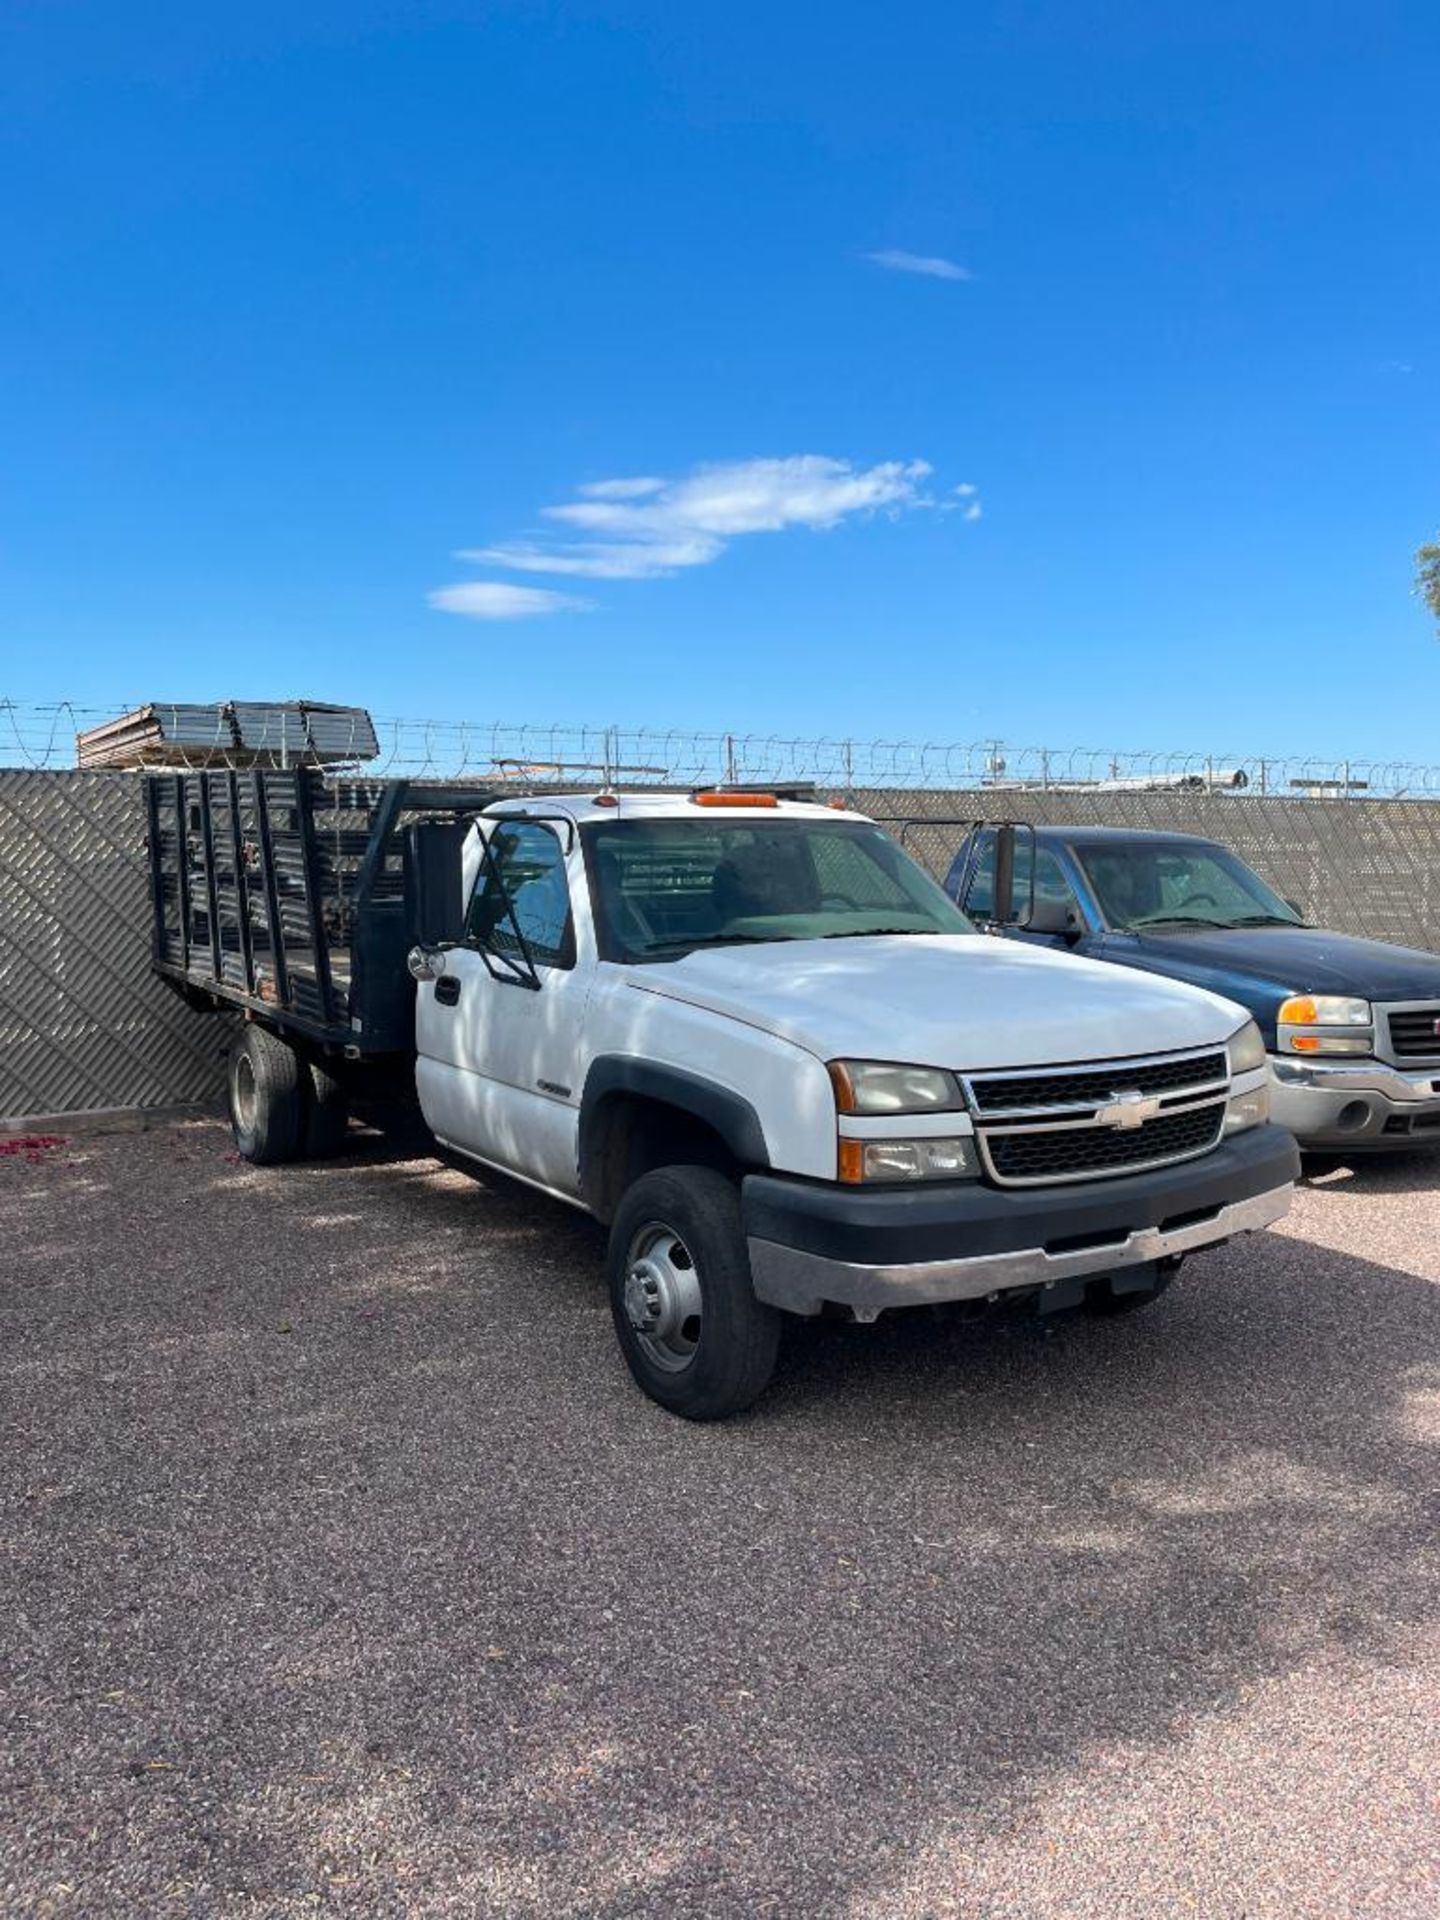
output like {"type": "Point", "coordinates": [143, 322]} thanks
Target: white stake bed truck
{"type": "Point", "coordinates": [757, 1041]}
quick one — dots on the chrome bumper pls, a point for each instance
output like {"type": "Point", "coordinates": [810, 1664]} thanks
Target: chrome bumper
{"type": "Point", "coordinates": [1362, 1104]}
{"type": "Point", "coordinates": [797, 1280]}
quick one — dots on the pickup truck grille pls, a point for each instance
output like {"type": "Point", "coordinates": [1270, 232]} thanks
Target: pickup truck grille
{"type": "Point", "coordinates": [1074, 1153]}
{"type": "Point", "coordinates": [1071, 1123]}
{"type": "Point", "coordinates": [1008, 1093]}
{"type": "Point", "coordinates": [1413, 1032]}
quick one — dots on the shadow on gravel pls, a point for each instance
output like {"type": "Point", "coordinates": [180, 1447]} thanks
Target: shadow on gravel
{"type": "Point", "coordinates": [1413, 1171]}
{"type": "Point", "coordinates": [351, 1570]}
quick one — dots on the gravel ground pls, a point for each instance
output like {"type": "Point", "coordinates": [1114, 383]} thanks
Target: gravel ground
{"type": "Point", "coordinates": [346, 1572]}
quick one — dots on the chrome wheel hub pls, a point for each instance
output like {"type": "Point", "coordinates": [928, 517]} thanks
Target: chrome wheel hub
{"type": "Point", "coordinates": [244, 1093]}
{"type": "Point", "coordinates": [662, 1297]}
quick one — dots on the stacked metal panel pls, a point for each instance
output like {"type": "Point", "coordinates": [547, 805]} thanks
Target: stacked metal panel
{"type": "Point", "coordinates": [232, 733]}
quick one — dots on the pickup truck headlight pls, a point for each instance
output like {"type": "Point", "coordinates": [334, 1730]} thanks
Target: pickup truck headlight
{"type": "Point", "coordinates": [1348, 1022]}
{"type": "Point", "coordinates": [862, 1161]}
{"type": "Point", "coordinates": [1247, 1049]}
{"type": "Point", "coordinates": [875, 1087]}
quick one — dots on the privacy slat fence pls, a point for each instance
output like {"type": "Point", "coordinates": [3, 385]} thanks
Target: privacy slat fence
{"type": "Point", "coordinates": [85, 1026]}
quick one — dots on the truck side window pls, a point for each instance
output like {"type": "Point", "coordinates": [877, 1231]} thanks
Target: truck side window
{"type": "Point", "coordinates": [1050, 881]}
{"type": "Point", "coordinates": [979, 902]}
{"type": "Point", "coordinates": [527, 865]}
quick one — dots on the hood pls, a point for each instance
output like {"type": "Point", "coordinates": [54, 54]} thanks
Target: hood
{"type": "Point", "coordinates": [945, 1000]}
{"type": "Point", "coordinates": [1272, 962]}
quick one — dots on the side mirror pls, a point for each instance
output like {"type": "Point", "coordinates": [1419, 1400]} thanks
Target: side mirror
{"type": "Point", "coordinates": [1049, 915]}
{"type": "Point", "coordinates": [425, 963]}
{"type": "Point", "coordinates": [434, 882]}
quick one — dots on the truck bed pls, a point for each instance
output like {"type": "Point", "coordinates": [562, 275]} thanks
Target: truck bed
{"type": "Point", "coordinates": [288, 892]}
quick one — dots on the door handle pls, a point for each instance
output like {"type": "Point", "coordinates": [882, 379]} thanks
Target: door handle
{"type": "Point", "coordinates": [447, 990]}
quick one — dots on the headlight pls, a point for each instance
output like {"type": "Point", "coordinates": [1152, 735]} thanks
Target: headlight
{"type": "Point", "coordinates": [871, 1086]}
{"type": "Point", "coordinates": [1247, 1049]}
{"type": "Point", "coordinates": [1324, 1010]}
{"type": "Point", "coordinates": [865, 1160]}
{"type": "Point", "coordinates": [1348, 1021]}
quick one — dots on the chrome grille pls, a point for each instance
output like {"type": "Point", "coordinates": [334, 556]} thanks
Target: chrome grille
{"type": "Point", "coordinates": [1100, 1118]}
{"type": "Point", "coordinates": [1005, 1093]}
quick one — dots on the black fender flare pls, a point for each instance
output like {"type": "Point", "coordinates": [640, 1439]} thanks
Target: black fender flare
{"type": "Point", "coordinates": [729, 1113]}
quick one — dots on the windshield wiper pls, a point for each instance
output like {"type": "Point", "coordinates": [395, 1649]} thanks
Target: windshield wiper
{"type": "Point", "coordinates": [1266, 920]}
{"type": "Point", "coordinates": [866, 933]}
{"type": "Point", "coordinates": [1174, 920]}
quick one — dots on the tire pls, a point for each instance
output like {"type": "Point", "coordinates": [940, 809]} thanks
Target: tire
{"type": "Point", "coordinates": [678, 1257]}
{"type": "Point", "coordinates": [327, 1113]}
{"type": "Point", "coordinates": [1100, 1301]}
{"type": "Point", "coordinates": [267, 1098]}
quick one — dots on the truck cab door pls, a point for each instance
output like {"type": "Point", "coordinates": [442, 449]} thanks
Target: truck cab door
{"type": "Point", "coordinates": [498, 1033]}
{"type": "Point", "coordinates": [1057, 917]}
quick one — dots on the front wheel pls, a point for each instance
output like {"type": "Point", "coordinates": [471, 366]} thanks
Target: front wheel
{"type": "Point", "coordinates": [693, 1334]}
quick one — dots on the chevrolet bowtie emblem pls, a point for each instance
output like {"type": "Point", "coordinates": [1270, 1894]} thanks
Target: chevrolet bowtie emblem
{"type": "Point", "coordinates": [1131, 1109]}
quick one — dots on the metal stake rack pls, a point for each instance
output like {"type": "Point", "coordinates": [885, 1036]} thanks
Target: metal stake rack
{"type": "Point", "coordinates": [291, 893]}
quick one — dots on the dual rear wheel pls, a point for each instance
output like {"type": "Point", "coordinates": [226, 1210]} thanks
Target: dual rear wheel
{"type": "Point", "coordinates": [283, 1107]}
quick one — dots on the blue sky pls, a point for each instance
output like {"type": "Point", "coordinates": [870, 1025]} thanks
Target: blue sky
{"type": "Point", "coordinates": [298, 305]}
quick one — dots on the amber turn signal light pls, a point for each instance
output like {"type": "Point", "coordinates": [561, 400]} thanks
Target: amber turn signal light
{"type": "Point", "coordinates": [844, 1086]}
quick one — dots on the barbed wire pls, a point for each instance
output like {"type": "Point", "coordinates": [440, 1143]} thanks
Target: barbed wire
{"type": "Point", "coordinates": [40, 736]}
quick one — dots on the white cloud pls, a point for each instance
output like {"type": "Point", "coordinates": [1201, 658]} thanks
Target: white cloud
{"type": "Point", "coordinates": [896, 260]}
{"type": "Point", "coordinates": [715, 503]}
{"type": "Point", "coordinates": [648, 528]}
{"type": "Point", "coordinates": [597, 559]}
{"type": "Point", "coordinates": [621, 489]}
{"type": "Point", "coordinates": [502, 600]}
{"type": "Point", "coordinates": [968, 500]}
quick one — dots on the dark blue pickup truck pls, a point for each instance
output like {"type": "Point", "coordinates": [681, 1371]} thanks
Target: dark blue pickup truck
{"type": "Point", "coordinates": [1352, 1026]}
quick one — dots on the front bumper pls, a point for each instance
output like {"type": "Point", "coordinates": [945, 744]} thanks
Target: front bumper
{"type": "Point", "coordinates": [1358, 1104]}
{"type": "Point", "coordinates": [872, 1248]}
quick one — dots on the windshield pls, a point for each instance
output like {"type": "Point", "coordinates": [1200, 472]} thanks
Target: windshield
{"type": "Point", "coordinates": [1171, 884]}
{"type": "Point", "coordinates": [664, 887]}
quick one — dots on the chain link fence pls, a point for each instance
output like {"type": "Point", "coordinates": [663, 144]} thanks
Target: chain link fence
{"type": "Point", "coordinates": [41, 737]}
